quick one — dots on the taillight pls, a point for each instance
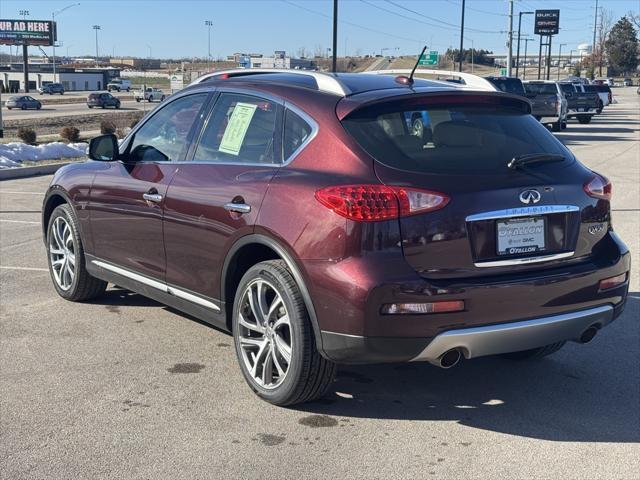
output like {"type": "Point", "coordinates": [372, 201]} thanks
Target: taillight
{"type": "Point", "coordinates": [599, 187]}
{"type": "Point", "coordinates": [371, 203]}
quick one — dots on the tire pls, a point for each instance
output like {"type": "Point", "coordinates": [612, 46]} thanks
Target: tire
{"type": "Point", "coordinates": [128, 90]}
{"type": "Point", "coordinates": [103, 106]}
{"type": "Point", "coordinates": [24, 107]}
{"type": "Point", "coordinates": [9, 108]}
{"type": "Point", "coordinates": [417, 128]}
{"type": "Point", "coordinates": [556, 126]}
{"type": "Point", "coordinates": [90, 106]}
{"type": "Point", "coordinates": [117, 105]}
{"type": "Point", "coordinates": [150, 98]}
{"type": "Point", "coordinates": [307, 375]}
{"type": "Point", "coordinates": [138, 100]}
{"type": "Point", "coordinates": [39, 106]}
{"type": "Point", "coordinates": [61, 93]}
{"type": "Point", "coordinates": [63, 229]}
{"type": "Point", "coordinates": [563, 125]}
{"type": "Point", "coordinates": [534, 353]}
{"type": "Point", "coordinates": [584, 119]}
{"type": "Point", "coordinates": [162, 98]}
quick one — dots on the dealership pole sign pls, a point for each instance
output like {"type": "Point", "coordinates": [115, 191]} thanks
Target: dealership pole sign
{"type": "Point", "coordinates": [547, 24]}
{"type": "Point", "coordinates": [27, 32]}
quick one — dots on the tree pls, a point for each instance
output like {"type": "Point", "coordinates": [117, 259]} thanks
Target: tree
{"type": "Point", "coordinates": [622, 46]}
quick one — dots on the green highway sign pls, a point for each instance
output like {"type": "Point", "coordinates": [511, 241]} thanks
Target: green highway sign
{"type": "Point", "coordinates": [503, 72]}
{"type": "Point", "coordinates": [431, 59]}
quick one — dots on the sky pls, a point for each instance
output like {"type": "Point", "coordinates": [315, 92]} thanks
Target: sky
{"type": "Point", "coordinates": [176, 28]}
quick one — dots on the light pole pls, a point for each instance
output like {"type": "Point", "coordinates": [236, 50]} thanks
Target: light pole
{"type": "Point", "coordinates": [24, 14]}
{"type": "Point", "coordinates": [209, 24]}
{"type": "Point", "coordinates": [461, 35]}
{"type": "Point", "coordinates": [519, 28]}
{"type": "Point", "coordinates": [25, 55]}
{"type": "Point", "coordinates": [560, 58]}
{"type": "Point", "coordinates": [96, 28]}
{"type": "Point", "coordinates": [53, 25]}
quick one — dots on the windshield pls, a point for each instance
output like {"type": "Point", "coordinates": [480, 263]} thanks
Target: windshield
{"type": "Point", "coordinates": [456, 139]}
{"type": "Point", "coordinates": [508, 85]}
{"type": "Point", "coordinates": [541, 88]}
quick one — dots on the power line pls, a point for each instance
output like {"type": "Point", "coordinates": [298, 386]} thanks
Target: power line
{"type": "Point", "coordinates": [457, 27]}
{"type": "Point", "coordinates": [408, 18]}
{"type": "Point", "coordinates": [422, 42]}
{"type": "Point", "coordinates": [478, 10]}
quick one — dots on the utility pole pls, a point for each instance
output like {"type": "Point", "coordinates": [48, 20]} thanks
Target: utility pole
{"type": "Point", "coordinates": [560, 58]}
{"type": "Point", "coordinates": [96, 28]}
{"type": "Point", "coordinates": [335, 36]}
{"type": "Point", "coordinates": [510, 54]}
{"type": "Point", "coordinates": [595, 24]}
{"type": "Point", "coordinates": [519, 29]}
{"type": "Point", "coordinates": [25, 55]}
{"type": "Point", "coordinates": [461, 36]}
{"type": "Point", "coordinates": [209, 24]}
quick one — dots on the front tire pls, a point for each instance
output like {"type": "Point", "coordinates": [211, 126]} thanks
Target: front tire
{"type": "Point", "coordinates": [274, 338]}
{"type": "Point", "coordinates": [534, 353]}
{"type": "Point", "coordinates": [65, 255]}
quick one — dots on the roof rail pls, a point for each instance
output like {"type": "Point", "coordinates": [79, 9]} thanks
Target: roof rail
{"type": "Point", "coordinates": [473, 81]}
{"type": "Point", "coordinates": [326, 82]}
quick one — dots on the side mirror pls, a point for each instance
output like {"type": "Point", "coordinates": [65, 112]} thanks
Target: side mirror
{"type": "Point", "coordinates": [104, 148]}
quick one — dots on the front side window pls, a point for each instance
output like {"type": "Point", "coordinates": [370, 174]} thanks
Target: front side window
{"type": "Point", "coordinates": [163, 137]}
{"type": "Point", "coordinates": [241, 129]}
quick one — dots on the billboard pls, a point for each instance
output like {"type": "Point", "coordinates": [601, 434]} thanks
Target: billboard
{"type": "Point", "coordinates": [547, 22]}
{"type": "Point", "coordinates": [27, 32]}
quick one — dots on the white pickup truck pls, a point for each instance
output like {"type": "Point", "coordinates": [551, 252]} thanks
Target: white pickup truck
{"type": "Point", "coordinates": [119, 85]}
{"type": "Point", "coordinates": [149, 94]}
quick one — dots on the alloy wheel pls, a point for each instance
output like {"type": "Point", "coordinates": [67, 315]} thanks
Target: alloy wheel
{"type": "Point", "coordinates": [264, 334]}
{"type": "Point", "coordinates": [62, 253]}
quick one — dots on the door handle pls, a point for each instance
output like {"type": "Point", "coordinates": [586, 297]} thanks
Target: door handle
{"type": "Point", "coordinates": [237, 207]}
{"type": "Point", "coordinates": [152, 197]}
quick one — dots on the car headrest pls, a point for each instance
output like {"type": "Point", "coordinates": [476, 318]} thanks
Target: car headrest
{"type": "Point", "coordinates": [455, 133]}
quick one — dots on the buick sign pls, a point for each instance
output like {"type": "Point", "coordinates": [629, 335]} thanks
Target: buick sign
{"type": "Point", "coordinates": [530, 196]}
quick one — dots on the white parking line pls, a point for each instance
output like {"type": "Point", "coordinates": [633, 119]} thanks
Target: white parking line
{"type": "Point", "coordinates": [21, 193]}
{"type": "Point", "coordinates": [19, 221]}
{"type": "Point", "coordinates": [30, 269]}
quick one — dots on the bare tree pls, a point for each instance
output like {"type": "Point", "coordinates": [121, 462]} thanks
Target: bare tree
{"type": "Point", "coordinates": [606, 24]}
{"type": "Point", "coordinates": [634, 18]}
{"type": "Point", "coordinates": [302, 52]}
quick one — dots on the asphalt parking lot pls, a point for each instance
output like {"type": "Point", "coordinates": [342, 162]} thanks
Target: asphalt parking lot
{"type": "Point", "coordinates": [126, 388]}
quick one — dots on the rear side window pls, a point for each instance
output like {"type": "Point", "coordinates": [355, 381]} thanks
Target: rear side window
{"type": "Point", "coordinates": [567, 88]}
{"type": "Point", "coordinates": [241, 129]}
{"type": "Point", "coordinates": [456, 139]}
{"type": "Point", "coordinates": [508, 85]}
{"type": "Point", "coordinates": [541, 88]}
{"type": "Point", "coordinates": [296, 133]}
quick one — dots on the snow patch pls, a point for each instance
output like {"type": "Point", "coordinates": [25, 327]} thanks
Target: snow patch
{"type": "Point", "coordinates": [13, 154]}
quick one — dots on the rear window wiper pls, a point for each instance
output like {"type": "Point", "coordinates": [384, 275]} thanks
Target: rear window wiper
{"type": "Point", "coordinates": [529, 158]}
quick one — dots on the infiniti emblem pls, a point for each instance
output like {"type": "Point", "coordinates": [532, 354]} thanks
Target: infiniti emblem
{"type": "Point", "coordinates": [530, 196]}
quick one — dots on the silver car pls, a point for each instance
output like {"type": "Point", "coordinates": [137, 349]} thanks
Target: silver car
{"type": "Point", "coordinates": [23, 102]}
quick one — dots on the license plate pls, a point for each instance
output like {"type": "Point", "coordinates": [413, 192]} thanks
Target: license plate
{"type": "Point", "coordinates": [518, 236]}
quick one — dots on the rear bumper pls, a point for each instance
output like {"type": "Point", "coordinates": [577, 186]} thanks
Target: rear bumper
{"type": "Point", "coordinates": [575, 113]}
{"type": "Point", "coordinates": [554, 118]}
{"type": "Point", "coordinates": [471, 342]}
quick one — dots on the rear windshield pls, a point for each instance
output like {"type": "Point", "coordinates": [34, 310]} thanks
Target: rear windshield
{"type": "Point", "coordinates": [590, 88]}
{"type": "Point", "coordinates": [541, 88]}
{"type": "Point", "coordinates": [508, 85]}
{"type": "Point", "coordinates": [602, 88]}
{"type": "Point", "coordinates": [93, 96]}
{"type": "Point", "coordinates": [567, 88]}
{"type": "Point", "coordinates": [456, 139]}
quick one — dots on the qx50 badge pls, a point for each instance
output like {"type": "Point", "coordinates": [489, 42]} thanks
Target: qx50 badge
{"type": "Point", "coordinates": [529, 197]}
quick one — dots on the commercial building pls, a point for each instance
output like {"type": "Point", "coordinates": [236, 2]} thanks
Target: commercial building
{"type": "Point", "coordinates": [73, 79]}
{"type": "Point", "coordinates": [279, 60]}
{"type": "Point", "coordinates": [145, 63]}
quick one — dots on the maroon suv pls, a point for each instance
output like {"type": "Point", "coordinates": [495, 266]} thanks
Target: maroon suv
{"type": "Point", "coordinates": [344, 218]}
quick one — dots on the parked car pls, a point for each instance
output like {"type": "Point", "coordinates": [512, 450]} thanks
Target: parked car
{"type": "Point", "coordinates": [22, 102]}
{"type": "Point", "coordinates": [149, 94]}
{"type": "Point", "coordinates": [297, 211]}
{"type": "Point", "coordinates": [605, 81]}
{"type": "Point", "coordinates": [119, 85]}
{"type": "Point", "coordinates": [102, 100]}
{"type": "Point", "coordinates": [548, 104]}
{"type": "Point", "coordinates": [583, 105]}
{"type": "Point", "coordinates": [508, 84]}
{"type": "Point", "coordinates": [603, 92]}
{"type": "Point", "coordinates": [627, 82]}
{"type": "Point", "coordinates": [51, 88]}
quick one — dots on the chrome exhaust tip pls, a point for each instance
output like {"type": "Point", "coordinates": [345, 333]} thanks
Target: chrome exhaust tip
{"type": "Point", "coordinates": [450, 359]}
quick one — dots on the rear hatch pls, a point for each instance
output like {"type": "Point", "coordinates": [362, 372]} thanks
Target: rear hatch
{"type": "Point", "coordinates": [543, 98]}
{"type": "Point", "coordinates": [497, 218]}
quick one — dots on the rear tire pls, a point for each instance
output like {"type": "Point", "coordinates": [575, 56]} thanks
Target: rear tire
{"type": "Point", "coordinates": [534, 353]}
{"type": "Point", "coordinates": [556, 127]}
{"type": "Point", "coordinates": [70, 277]}
{"type": "Point", "coordinates": [277, 351]}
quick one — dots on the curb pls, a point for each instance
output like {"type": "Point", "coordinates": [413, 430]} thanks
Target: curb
{"type": "Point", "coordinates": [23, 172]}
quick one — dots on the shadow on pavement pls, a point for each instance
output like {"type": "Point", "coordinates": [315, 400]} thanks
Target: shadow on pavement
{"type": "Point", "coordinates": [584, 393]}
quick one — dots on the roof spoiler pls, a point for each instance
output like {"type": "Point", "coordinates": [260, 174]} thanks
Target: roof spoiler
{"type": "Point", "coordinates": [471, 81]}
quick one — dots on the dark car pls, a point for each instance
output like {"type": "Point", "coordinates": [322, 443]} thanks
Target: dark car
{"type": "Point", "coordinates": [508, 84]}
{"type": "Point", "coordinates": [548, 103]}
{"type": "Point", "coordinates": [23, 102]}
{"type": "Point", "coordinates": [102, 100]}
{"type": "Point", "coordinates": [300, 212]}
{"type": "Point", "coordinates": [51, 88]}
